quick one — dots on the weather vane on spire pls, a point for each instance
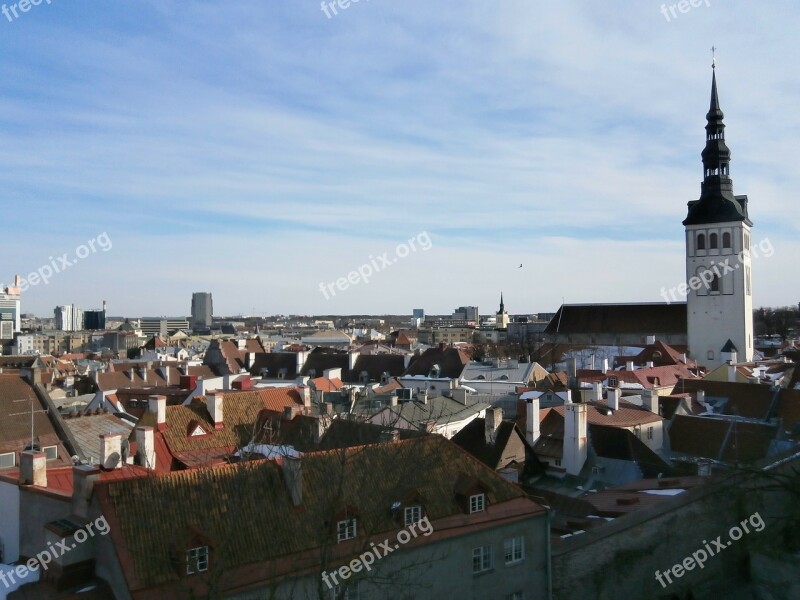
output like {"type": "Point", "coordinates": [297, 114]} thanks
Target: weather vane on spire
{"type": "Point", "coordinates": [713, 57]}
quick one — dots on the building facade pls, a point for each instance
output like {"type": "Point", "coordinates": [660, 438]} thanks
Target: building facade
{"type": "Point", "coordinates": [202, 310]}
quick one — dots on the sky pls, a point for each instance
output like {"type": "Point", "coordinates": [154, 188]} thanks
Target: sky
{"type": "Point", "coordinates": [274, 153]}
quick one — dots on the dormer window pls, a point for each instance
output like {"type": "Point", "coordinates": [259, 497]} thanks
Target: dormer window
{"type": "Point", "coordinates": [477, 503]}
{"type": "Point", "coordinates": [413, 514]}
{"type": "Point", "coordinates": [345, 530]}
{"type": "Point", "coordinates": [613, 381]}
{"type": "Point", "coordinates": [196, 560]}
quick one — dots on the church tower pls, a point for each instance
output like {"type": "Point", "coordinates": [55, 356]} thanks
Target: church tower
{"type": "Point", "coordinates": [719, 298]}
{"type": "Point", "coordinates": [502, 315]}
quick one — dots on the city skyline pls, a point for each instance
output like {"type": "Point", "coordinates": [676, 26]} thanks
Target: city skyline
{"type": "Point", "coordinates": [289, 150]}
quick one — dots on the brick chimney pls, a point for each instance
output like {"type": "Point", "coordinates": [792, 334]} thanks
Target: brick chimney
{"type": "Point", "coordinates": [492, 420]}
{"type": "Point", "coordinates": [33, 468]}
{"type": "Point", "coordinates": [157, 405]}
{"type": "Point", "coordinates": [293, 476]}
{"type": "Point", "coordinates": [214, 404]}
{"type": "Point", "coordinates": [111, 451]}
{"type": "Point", "coordinates": [146, 447]}
{"type": "Point", "coordinates": [532, 420]}
{"type": "Point", "coordinates": [575, 442]}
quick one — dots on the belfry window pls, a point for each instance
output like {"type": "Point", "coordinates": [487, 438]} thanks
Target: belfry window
{"type": "Point", "coordinates": [713, 241]}
{"type": "Point", "coordinates": [701, 241]}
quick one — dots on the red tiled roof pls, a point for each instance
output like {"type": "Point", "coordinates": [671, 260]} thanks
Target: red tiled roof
{"type": "Point", "coordinates": [628, 415]}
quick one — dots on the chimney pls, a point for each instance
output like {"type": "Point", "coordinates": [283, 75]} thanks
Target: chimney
{"type": "Point", "coordinates": [597, 391]}
{"type": "Point", "coordinates": [301, 360]}
{"type": "Point", "coordinates": [83, 478]}
{"type": "Point", "coordinates": [214, 403]}
{"type": "Point", "coordinates": [572, 371]}
{"type": "Point", "coordinates": [575, 446]}
{"type": "Point", "coordinates": [390, 435]}
{"type": "Point", "coordinates": [33, 468]}
{"type": "Point", "coordinates": [613, 398]}
{"type": "Point", "coordinates": [306, 393]}
{"type": "Point", "coordinates": [629, 366]}
{"type": "Point", "coordinates": [302, 380]}
{"type": "Point", "coordinates": [650, 401]}
{"type": "Point", "coordinates": [241, 344]}
{"type": "Point", "coordinates": [532, 421]}
{"type": "Point", "coordinates": [731, 372]}
{"type": "Point", "coordinates": [321, 425]}
{"type": "Point", "coordinates": [111, 451]}
{"type": "Point", "coordinates": [604, 365]}
{"type": "Point", "coordinates": [406, 360]}
{"type": "Point", "coordinates": [701, 397]}
{"type": "Point", "coordinates": [290, 412]}
{"type": "Point", "coordinates": [683, 358]}
{"type": "Point", "coordinates": [166, 369]}
{"type": "Point", "coordinates": [651, 339]}
{"type": "Point", "coordinates": [352, 357]}
{"type": "Point", "coordinates": [332, 373]}
{"type": "Point", "coordinates": [293, 475]}
{"type": "Point", "coordinates": [132, 374]}
{"type": "Point", "coordinates": [249, 360]}
{"type": "Point", "coordinates": [459, 395]}
{"type": "Point", "coordinates": [157, 405]}
{"type": "Point", "coordinates": [146, 447]}
{"type": "Point", "coordinates": [492, 420]}
{"type": "Point", "coordinates": [393, 400]}
{"type": "Point", "coordinates": [422, 396]}
{"type": "Point", "coordinates": [650, 364]}
{"type": "Point", "coordinates": [568, 397]}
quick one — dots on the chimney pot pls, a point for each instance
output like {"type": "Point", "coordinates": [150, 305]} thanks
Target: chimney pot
{"type": "Point", "coordinates": [613, 398]}
{"type": "Point", "coordinates": [33, 468]}
{"type": "Point", "coordinates": [146, 448]}
{"type": "Point", "coordinates": [111, 451]}
{"type": "Point", "coordinates": [157, 405]}
{"type": "Point", "coordinates": [532, 420]}
{"type": "Point", "coordinates": [214, 404]}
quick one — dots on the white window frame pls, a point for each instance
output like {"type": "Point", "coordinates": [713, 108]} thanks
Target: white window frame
{"type": "Point", "coordinates": [650, 432]}
{"type": "Point", "coordinates": [346, 530]}
{"type": "Point", "coordinates": [477, 503]}
{"type": "Point", "coordinates": [514, 550]}
{"type": "Point", "coordinates": [482, 559]}
{"type": "Point", "coordinates": [13, 459]}
{"type": "Point", "coordinates": [197, 560]}
{"type": "Point", "coordinates": [53, 454]}
{"type": "Point", "coordinates": [413, 514]}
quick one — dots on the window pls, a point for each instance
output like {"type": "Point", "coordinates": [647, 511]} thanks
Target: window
{"type": "Point", "coordinates": [413, 514]}
{"type": "Point", "coordinates": [7, 460]}
{"type": "Point", "coordinates": [715, 283]}
{"type": "Point", "coordinates": [51, 451]}
{"type": "Point", "coordinates": [701, 241]}
{"type": "Point", "coordinates": [710, 355]}
{"type": "Point", "coordinates": [613, 381]}
{"type": "Point", "coordinates": [558, 462]}
{"type": "Point", "coordinates": [713, 241]}
{"type": "Point", "coordinates": [514, 550]}
{"type": "Point", "coordinates": [477, 503]}
{"type": "Point", "coordinates": [348, 593]}
{"type": "Point", "coordinates": [481, 559]}
{"type": "Point", "coordinates": [345, 530]}
{"type": "Point", "coordinates": [650, 433]}
{"type": "Point", "coordinates": [196, 560]}
{"type": "Point", "coordinates": [726, 240]}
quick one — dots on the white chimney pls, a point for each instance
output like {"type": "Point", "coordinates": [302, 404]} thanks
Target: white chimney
{"type": "Point", "coordinates": [145, 447]}
{"type": "Point", "coordinates": [393, 400]}
{"type": "Point", "coordinates": [683, 358]}
{"type": "Point", "coordinates": [333, 373]}
{"type": "Point", "coordinates": [33, 468]}
{"type": "Point", "coordinates": [532, 420]}
{"type": "Point", "coordinates": [249, 360]}
{"type": "Point", "coordinates": [293, 476]}
{"type": "Point", "coordinates": [492, 420]}
{"type": "Point", "coordinates": [731, 372]}
{"type": "Point", "coordinates": [650, 401]}
{"type": "Point", "coordinates": [604, 365]}
{"type": "Point", "coordinates": [629, 366]}
{"type": "Point", "coordinates": [701, 397]}
{"type": "Point", "coordinates": [613, 398]}
{"type": "Point", "coordinates": [214, 404]}
{"type": "Point", "coordinates": [422, 396]}
{"type": "Point", "coordinates": [568, 397]}
{"type": "Point", "coordinates": [157, 405]}
{"type": "Point", "coordinates": [83, 478]}
{"type": "Point", "coordinates": [306, 393]}
{"type": "Point", "coordinates": [352, 357]}
{"type": "Point", "coordinates": [406, 360]}
{"type": "Point", "coordinates": [597, 391]}
{"type": "Point", "coordinates": [111, 451]}
{"type": "Point", "coordinates": [650, 364]}
{"type": "Point", "coordinates": [459, 395]}
{"type": "Point", "coordinates": [575, 444]}
{"type": "Point", "coordinates": [301, 360]}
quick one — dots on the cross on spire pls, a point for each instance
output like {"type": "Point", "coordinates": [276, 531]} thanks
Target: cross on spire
{"type": "Point", "coordinates": [713, 57]}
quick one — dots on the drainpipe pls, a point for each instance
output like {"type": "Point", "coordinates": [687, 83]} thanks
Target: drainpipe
{"type": "Point", "coordinates": [549, 557]}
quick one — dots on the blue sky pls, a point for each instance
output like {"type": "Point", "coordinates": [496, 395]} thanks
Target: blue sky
{"type": "Point", "coordinates": [256, 149]}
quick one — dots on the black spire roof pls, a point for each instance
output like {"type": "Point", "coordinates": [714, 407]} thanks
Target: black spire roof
{"type": "Point", "coordinates": [717, 203]}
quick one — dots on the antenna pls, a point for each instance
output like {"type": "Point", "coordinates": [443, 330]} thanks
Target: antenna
{"type": "Point", "coordinates": [32, 412]}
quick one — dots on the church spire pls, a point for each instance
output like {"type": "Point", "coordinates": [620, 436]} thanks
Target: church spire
{"type": "Point", "coordinates": [502, 306]}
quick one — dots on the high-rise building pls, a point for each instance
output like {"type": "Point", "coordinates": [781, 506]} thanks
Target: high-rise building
{"type": "Point", "coordinates": [10, 310]}
{"type": "Point", "coordinates": [94, 320]}
{"type": "Point", "coordinates": [202, 310]}
{"type": "Point", "coordinates": [720, 294]}
{"type": "Point", "coordinates": [466, 313]}
{"type": "Point", "coordinates": [68, 318]}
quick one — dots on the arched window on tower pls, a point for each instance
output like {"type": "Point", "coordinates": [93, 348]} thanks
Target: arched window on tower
{"type": "Point", "coordinates": [713, 241]}
{"type": "Point", "coordinates": [701, 241]}
{"type": "Point", "coordinates": [715, 283]}
{"type": "Point", "coordinates": [726, 240]}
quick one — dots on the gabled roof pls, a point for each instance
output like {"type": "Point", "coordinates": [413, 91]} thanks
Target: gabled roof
{"type": "Point", "coordinates": [87, 429]}
{"type": "Point", "coordinates": [275, 364]}
{"type": "Point", "coordinates": [375, 365]}
{"type": "Point", "coordinates": [646, 318]}
{"type": "Point", "coordinates": [323, 384]}
{"type": "Point", "coordinates": [185, 504]}
{"type": "Point", "coordinates": [728, 440]}
{"type": "Point", "coordinates": [451, 362]}
{"type": "Point", "coordinates": [472, 438]}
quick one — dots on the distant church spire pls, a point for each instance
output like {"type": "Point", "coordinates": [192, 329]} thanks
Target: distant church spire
{"type": "Point", "coordinates": [502, 306]}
